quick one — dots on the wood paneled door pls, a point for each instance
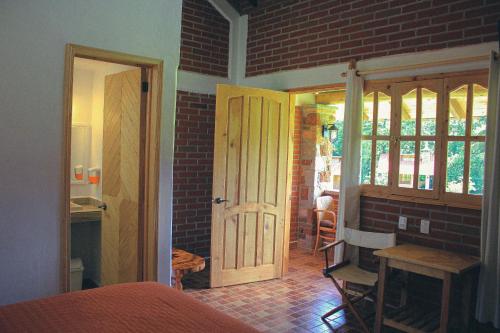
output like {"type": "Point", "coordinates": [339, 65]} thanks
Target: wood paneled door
{"type": "Point", "coordinates": [249, 185]}
{"type": "Point", "coordinates": [120, 178]}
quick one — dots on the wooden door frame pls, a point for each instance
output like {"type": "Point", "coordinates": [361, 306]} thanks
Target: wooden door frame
{"type": "Point", "coordinates": [149, 156]}
{"type": "Point", "coordinates": [291, 129]}
{"type": "Point", "coordinates": [289, 177]}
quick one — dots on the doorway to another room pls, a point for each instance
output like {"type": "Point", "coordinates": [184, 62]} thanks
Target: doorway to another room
{"type": "Point", "coordinates": [112, 104]}
{"type": "Point", "coordinates": [315, 154]}
{"type": "Point", "coordinates": [318, 140]}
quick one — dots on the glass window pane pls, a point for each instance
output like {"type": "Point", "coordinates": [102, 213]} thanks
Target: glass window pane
{"type": "Point", "coordinates": [476, 171]}
{"type": "Point", "coordinates": [406, 163]}
{"type": "Point", "coordinates": [384, 114]}
{"type": "Point", "coordinates": [455, 167]}
{"type": "Point", "coordinates": [409, 113]}
{"type": "Point", "coordinates": [429, 109]}
{"type": "Point", "coordinates": [426, 165]}
{"type": "Point", "coordinates": [457, 111]}
{"type": "Point", "coordinates": [366, 161]}
{"type": "Point", "coordinates": [368, 114]}
{"type": "Point", "coordinates": [479, 103]}
{"type": "Point", "coordinates": [382, 163]}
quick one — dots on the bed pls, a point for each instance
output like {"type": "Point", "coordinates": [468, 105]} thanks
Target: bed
{"type": "Point", "coordinates": [131, 307]}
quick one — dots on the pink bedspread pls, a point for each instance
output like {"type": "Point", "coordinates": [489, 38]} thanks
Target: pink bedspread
{"type": "Point", "coordinates": [131, 307]}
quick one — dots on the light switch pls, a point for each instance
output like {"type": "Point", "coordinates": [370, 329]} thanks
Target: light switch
{"type": "Point", "coordinates": [424, 226]}
{"type": "Point", "coordinates": [402, 222]}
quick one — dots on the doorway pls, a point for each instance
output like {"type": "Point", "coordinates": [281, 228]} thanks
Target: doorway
{"type": "Point", "coordinates": [318, 141]}
{"type": "Point", "coordinates": [242, 164]}
{"type": "Point", "coordinates": [112, 111]}
{"type": "Point", "coordinates": [265, 304]}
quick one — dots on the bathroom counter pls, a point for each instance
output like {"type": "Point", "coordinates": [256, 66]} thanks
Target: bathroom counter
{"type": "Point", "coordinates": [86, 213]}
{"type": "Point", "coordinates": [84, 209]}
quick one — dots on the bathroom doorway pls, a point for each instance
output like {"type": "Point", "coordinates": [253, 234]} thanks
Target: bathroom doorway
{"type": "Point", "coordinates": [112, 110]}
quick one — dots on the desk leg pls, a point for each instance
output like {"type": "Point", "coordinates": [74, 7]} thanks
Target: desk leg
{"type": "Point", "coordinates": [382, 278]}
{"type": "Point", "coordinates": [467, 286]}
{"type": "Point", "coordinates": [404, 291]}
{"type": "Point", "coordinates": [445, 303]}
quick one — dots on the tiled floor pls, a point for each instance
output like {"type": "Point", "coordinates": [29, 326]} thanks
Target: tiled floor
{"type": "Point", "coordinates": [292, 304]}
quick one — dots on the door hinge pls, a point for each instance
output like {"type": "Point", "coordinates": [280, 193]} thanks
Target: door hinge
{"type": "Point", "coordinates": [145, 86]}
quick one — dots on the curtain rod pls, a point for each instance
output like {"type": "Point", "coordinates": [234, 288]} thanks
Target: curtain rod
{"type": "Point", "coordinates": [424, 65]}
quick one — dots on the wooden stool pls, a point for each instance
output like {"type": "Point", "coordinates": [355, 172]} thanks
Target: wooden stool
{"type": "Point", "coordinates": [184, 262]}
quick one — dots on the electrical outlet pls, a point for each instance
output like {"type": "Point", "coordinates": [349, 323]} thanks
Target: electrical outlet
{"type": "Point", "coordinates": [424, 226]}
{"type": "Point", "coordinates": [402, 222]}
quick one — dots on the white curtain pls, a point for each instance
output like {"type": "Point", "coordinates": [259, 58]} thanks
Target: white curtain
{"type": "Point", "coordinates": [351, 149]}
{"type": "Point", "coordinates": [488, 301]}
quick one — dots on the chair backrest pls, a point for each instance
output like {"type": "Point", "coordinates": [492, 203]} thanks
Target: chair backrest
{"type": "Point", "coordinates": [324, 203]}
{"type": "Point", "coordinates": [371, 240]}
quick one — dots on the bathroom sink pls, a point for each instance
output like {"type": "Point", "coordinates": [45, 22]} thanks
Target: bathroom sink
{"type": "Point", "coordinates": [75, 207]}
{"type": "Point", "coordinates": [85, 209]}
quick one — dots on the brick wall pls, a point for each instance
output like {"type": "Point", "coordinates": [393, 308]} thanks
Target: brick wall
{"type": "Point", "coordinates": [193, 164]}
{"type": "Point", "coordinates": [453, 229]}
{"type": "Point", "coordinates": [285, 34]}
{"type": "Point", "coordinates": [204, 39]}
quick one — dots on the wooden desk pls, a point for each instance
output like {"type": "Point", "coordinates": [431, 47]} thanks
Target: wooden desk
{"type": "Point", "coordinates": [430, 262]}
{"type": "Point", "coordinates": [184, 262]}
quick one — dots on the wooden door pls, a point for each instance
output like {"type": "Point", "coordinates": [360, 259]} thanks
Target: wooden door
{"type": "Point", "coordinates": [250, 172]}
{"type": "Point", "coordinates": [120, 178]}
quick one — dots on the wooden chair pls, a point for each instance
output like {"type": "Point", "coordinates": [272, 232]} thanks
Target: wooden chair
{"type": "Point", "coordinates": [349, 272]}
{"type": "Point", "coordinates": [326, 227]}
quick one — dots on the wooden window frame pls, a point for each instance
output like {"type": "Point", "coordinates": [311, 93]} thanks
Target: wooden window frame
{"type": "Point", "coordinates": [374, 137]}
{"type": "Point", "coordinates": [442, 84]}
{"type": "Point", "coordinates": [451, 84]}
{"type": "Point", "coordinates": [399, 89]}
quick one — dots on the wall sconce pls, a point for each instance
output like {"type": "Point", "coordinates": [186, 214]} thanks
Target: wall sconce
{"type": "Point", "coordinates": [330, 132]}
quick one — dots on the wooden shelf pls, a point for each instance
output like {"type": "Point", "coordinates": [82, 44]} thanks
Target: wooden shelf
{"type": "Point", "coordinates": [413, 319]}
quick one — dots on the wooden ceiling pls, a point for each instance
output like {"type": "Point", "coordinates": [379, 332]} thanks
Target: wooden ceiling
{"type": "Point", "coordinates": [244, 6]}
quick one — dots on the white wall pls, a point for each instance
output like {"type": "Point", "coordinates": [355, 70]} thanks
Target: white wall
{"type": "Point", "coordinates": [83, 91]}
{"type": "Point", "coordinates": [82, 95]}
{"type": "Point", "coordinates": [88, 107]}
{"type": "Point", "coordinates": [33, 34]}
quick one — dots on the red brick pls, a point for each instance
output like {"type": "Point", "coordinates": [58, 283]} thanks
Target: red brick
{"type": "Point", "coordinates": [387, 20]}
{"type": "Point", "coordinates": [204, 32]}
{"type": "Point", "coordinates": [193, 160]}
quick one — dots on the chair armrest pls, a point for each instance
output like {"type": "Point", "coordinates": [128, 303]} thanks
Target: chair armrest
{"type": "Point", "coordinates": [335, 267]}
{"type": "Point", "coordinates": [326, 247]}
{"type": "Point", "coordinates": [325, 250]}
{"type": "Point", "coordinates": [326, 211]}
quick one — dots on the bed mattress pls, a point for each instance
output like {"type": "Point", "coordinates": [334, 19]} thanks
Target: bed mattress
{"type": "Point", "coordinates": [131, 307]}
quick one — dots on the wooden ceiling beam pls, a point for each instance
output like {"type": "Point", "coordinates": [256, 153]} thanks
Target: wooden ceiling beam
{"type": "Point", "coordinates": [458, 108]}
{"type": "Point", "coordinates": [406, 114]}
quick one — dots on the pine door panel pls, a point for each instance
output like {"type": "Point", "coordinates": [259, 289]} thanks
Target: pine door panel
{"type": "Point", "coordinates": [250, 171]}
{"type": "Point", "coordinates": [120, 178]}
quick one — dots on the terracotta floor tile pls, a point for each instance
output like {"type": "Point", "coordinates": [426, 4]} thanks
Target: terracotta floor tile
{"type": "Point", "coordinates": [292, 304]}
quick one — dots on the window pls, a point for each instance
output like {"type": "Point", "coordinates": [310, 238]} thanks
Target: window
{"type": "Point", "coordinates": [375, 144]}
{"type": "Point", "coordinates": [418, 138]}
{"type": "Point", "coordinates": [465, 120]}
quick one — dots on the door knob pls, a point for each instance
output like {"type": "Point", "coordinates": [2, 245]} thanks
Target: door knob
{"type": "Point", "coordinates": [103, 206]}
{"type": "Point", "coordinates": [219, 200]}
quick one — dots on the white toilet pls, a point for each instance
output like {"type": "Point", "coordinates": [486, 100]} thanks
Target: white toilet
{"type": "Point", "coordinates": [76, 274]}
